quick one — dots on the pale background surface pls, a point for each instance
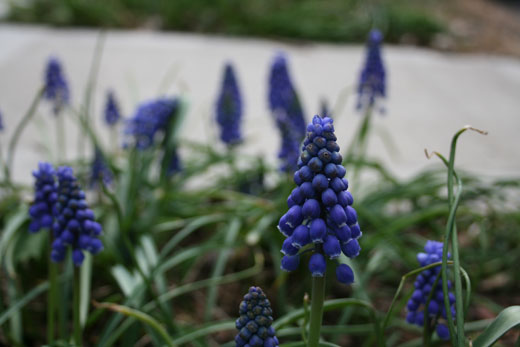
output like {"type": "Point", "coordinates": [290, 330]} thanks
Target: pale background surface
{"type": "Point", "coordinates": [431, 94]}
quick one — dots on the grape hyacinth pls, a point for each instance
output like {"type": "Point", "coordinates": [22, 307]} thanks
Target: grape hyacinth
{"type": "Point", "coordinates": [100, 170]}
{"type": "Point", "coordinates": [320, 208]}
{"type": "Point", "coordinates": [151, 118]}
{"type": "Point", "coordinates": [424, 287]}
{"type": "Point", "coordinates": [254, 325]}
{"type": "Point", "coordinates": [372, 82]}
{"type": "Point", "coordinates": [287, 112]}
{"type": "Point", "coordinates": [229, 108]}
{"type": "Point", "coordinates": [112, 113]}
{"type": "Point", "coordinates": [1, 122]}
{"type": "Point", "coordinates": [75, 225]}
{"type": "Point", "coordinates": [175, 164]}
{"type": "Point", "coordinates": [45, 196]}
{"type": "Point", "coordinates": [56, 87]}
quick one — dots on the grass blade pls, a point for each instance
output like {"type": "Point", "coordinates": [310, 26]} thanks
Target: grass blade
{"type": "Point", "coordinates": [141, 316]}
{"type": "Point", "coordinates": [506, 320]}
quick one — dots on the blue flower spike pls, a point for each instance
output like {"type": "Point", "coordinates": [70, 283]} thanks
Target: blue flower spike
{"type": "Point", "coordinates": [320, 218]}
{"type": "Point", "coordinates": [287, 111]}
{"type": "Point", "coordinates": [56, 86]}
{"type": "Point", "coordinates": [45, 196]}
{"type": "Point", "coordinates": [74, 224]}
{"type": "Point", "coordinates": [424, 287]}
{"type": "Point", "coordinates": [112, 112]}
{"type": "Point", "coordinates": [229, 108]}
{"type": "Point", "coordinates": [100, 170]}
{"type": "Point", "coordinates": [372, 80]}
{"type": "Point", "coordinates": [254, 324]}
{"type": "Point", "coordinates": [149, 119]}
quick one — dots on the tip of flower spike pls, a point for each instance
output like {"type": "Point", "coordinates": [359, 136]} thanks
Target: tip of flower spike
{"type": "Point", "coordinates": [280, 58]}
{"type": "Point", "coordinates": [254, 324]}
{"type": "Point", "coordinates": [65, 173]}
{"type": "Point", "coordinates": [375, 36]}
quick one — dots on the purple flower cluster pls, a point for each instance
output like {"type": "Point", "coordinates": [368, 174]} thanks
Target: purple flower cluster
{"type": "Point", "coordinates": [229, 108]}
{"type": "Point", "coordinates": [112, 113]}
{"type": "Point", "coordinates": [424, 287]}
{"type": "Point", "coordinates": [320, 208]}
{"type": "Point", "coordinates": [56, 87]}
{"type": "Point", "coordinates": [150, 118]}
{"type": "Point", "coordinates": [74, 224]}
{"type": "Point", "coordinates": [254, 325]}
{"type": "Point", "coordinates": [99, 169]}
{"type": "Point", "coordinates": [287, 111]}
{"type": "Point", "coordinates": [372, 82]}
{"type": "Point", "coordinates": [45, 196]}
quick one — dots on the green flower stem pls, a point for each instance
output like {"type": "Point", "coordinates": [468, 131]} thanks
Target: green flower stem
{"type": "Point", "coordinates": [317, 298]}
{"type": "Point", "coordinates": [427, 331]}
{"type": "Point", "coordinates": [114, 139]}
{"type": "Point", "coordinates": [60, 138]}
{"type": "Point", "coordinates": [358, 147]}
{"type": "Point", "coordinates": [457, 338]}
{"type": "Point", "coordinates": [305, 317]}
{"type": "Point", "coordinates": [51, 296]}
{"type": "Point", "coordinates": [76, 308]}
{"type": "Point", "coordinates": [92, 77]}
{"type": "Point", "coordinates": [11, 148]}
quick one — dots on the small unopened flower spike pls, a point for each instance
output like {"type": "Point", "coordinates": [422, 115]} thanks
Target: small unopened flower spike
{"type": "Point", "coordinates": [112, 112]}
{"type": "Point", "coordinates": [372, 80]}
{"type": "Point", "coordinates": [287, 112]}
{"type": "Point", "coordinates": [1, 122]}
{"type": "Point", "coordinates": [175, 164]}
{"type": "Point", "coordinates": [229, 108]}
{"type": "Point", "coordinates": [75, 225]}
{"type": "Point", "coordinates": [254, 324]}
{"type": "Point", "coordinates": [56, 86]}
{"type": "Point", "coordinates": [100, 170]}
{"type": "Point", "coordinates": [45, 196]}
{"type": "Point", "coordinates": [320, 211]}
{"type": "Point", "coordinates": [149, 119]}
{"type": "Point", "coordinates": [424, 287]}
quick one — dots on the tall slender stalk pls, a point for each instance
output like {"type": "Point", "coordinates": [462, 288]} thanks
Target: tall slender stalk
{"type": "Point", "coordinates": [317, 298]}
{"type": "Point", "coordinates": [11, 147]}
{"type": "Point", "coordinates": [76, 308]}
{"type": "Point", "coordinates": [93, 73]}
{"type": "Point", "coordinates": [60, 138]}
{"type": "Point", "coordinates": [457, 337]}
{"type": "Point", "coordinates": [459, 307]}
{"type": "Point", "coordinates": [358, 147]}
{"type": "Point", "coordinates": [51, 295]}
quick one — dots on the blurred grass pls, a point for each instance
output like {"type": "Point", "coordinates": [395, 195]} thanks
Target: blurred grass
{"type": "Point", "coordinates": [333, 20]}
